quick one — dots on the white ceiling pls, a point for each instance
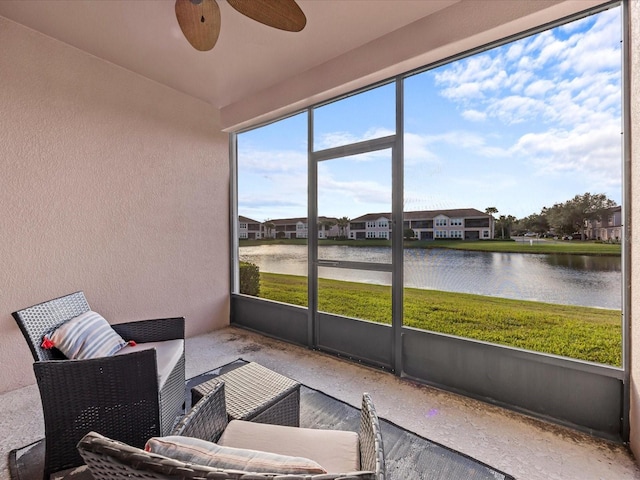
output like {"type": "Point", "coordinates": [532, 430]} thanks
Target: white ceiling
{"type": "Point", "coordinates": [143, 36]}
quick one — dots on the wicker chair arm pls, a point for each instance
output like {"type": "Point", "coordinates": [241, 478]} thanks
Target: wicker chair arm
{"type": "Point", "coordinates": [207, 419]}
{"type": "Point", "coordinates": [371, 447]}
{"type": "Point", "coordinates": [155, 330]}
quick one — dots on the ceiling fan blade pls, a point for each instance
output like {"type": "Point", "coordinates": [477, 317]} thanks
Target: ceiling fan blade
{"type": "Point", "coordinates": [282, 14]}
{"type": "Point", "coordinates": [199, 20]}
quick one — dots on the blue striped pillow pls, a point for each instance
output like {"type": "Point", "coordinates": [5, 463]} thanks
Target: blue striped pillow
{"type": "Point", "coordinates": [86, 336]}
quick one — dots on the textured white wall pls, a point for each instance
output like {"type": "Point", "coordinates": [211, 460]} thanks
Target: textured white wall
{"type": "Point", "coordinates": [111, 184]}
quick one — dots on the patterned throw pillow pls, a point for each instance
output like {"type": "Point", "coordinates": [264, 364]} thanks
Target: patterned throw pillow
{"type": "Point", "coordinates": [86, 336]}
{"type": "Point", "coordinates": [200, 452]}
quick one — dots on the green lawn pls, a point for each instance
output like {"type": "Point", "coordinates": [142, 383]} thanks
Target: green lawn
{"type": "Point", "coordinates": [573, 247]}
{"type": "Point", "coordinates": [584, 333]}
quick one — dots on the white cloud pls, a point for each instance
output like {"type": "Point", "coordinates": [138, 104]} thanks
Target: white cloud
{"type": "Point", "coordinates": [544, 66]}
{"type": "Point", "coordinates": [417, 149]}
{"type": "Point", "coordinates": [271, 161]}
{"type": "Point", "coordinates": [514, 51]}
{"type": "Point", "coordinates": [352, 196]}
{"type": "Point", "coordinates": [583, 151]}
{"type": "Point", "coordinates": [474, 115]}
{"type": "Point", "coordinates": [539, 88]}
{"type": "Point", "coordinates": [338, 139]}
{"type": "Point", "coordinates": [422, 149]}
{"type": "Point", "coordinates": [470, 78]}
{"type": "Point", "coordinates": [517, 109]}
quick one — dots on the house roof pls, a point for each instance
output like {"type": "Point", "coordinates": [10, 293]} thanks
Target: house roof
{"type": "Point", "coordinates": [425, 214]}
{"type": "Point", "coordinates": [289, 221]}
{"type": "Point", "coordinates": [286, 221]}
{"type": "Point", "coordinates": [371, 216]}
{"type": "Point", "coordinates": [246, 219]}
{"type": "Point", "coordinates": [451, 213]}
{"type": "Point", "coordinates": [255, 72]}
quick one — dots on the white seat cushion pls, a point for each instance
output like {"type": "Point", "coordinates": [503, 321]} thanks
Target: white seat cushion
{"type": "Point", "coordinates": [167, 355]}
{"type": "Point", "coordinates": [336, 450]}
{"type": "Point", "coordinates": [200, 452]}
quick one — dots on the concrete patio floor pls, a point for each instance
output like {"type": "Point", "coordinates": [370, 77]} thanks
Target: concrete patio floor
{"type": "Point", "coordinates": [524, 447]}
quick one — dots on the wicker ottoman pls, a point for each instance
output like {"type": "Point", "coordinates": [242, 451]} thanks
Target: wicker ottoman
{"type": "Point", "coordinates": [255, 393]}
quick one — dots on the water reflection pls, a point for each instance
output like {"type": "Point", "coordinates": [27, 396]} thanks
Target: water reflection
{"type": "Point", "coordinates": [584, 262]}
{"type": "Point", "coordinates": [563, 279]}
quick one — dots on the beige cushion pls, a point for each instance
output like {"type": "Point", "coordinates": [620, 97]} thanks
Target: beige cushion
{"type": "Point", "coordinates": [167, 355]}
{"type": "Point", "coordinates": [336, 450]}
{"type": "Point", "coordinates": [200, 452]}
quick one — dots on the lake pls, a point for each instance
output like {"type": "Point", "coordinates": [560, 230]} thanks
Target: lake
{"type": "Point", "coordinates": [564, 279]}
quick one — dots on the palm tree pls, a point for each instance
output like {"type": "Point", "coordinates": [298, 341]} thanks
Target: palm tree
{"type": "Point", "coordinates": [503, 220]}
{"type": "Point", "coordinates": [269, 226]}
{"type": "Point", "coordinates": [343, 223]}
{"type": "Point", "coordinates": [491, 211]}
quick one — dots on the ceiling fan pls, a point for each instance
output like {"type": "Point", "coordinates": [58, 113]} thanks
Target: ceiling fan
{"type": "Point", "coordinates": [200, 19]}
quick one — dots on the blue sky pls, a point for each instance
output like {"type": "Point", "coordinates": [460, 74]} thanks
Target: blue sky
{"type": "Point", "coordinates": [519, 127]}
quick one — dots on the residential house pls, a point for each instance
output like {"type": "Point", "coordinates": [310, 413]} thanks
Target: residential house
{"type": "Point", "coordinates": [289, 228]}
{"type": "Point", "coordinates": [249, 229]}
{"type": "Point", "coordinates": [299, 228]}
{"type": "Point", "coordinates": [461, 223]}
{"type": "Point", "coordinates": [608, 228]}
{"type": "Point", "coordinates": [371, 225]}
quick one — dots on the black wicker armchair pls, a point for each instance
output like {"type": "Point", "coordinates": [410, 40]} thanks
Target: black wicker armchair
{"type": "Point", "coordinates": [121, 395]}
{"type": "Point", "coordinates": [108, 459]}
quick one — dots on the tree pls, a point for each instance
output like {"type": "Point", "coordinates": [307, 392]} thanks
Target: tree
{"type": "Point", "coordinates": [505, 223]}
{"type": "Point", "coordinates": [573, 215]}
{"type": "Point", "coordinates": [343, 223]}
{"type": "Point", "coordinates": [269, 226]}
{"type": "Point", "coordinates": [536, 222]}
{"type": "Point", "coordinates": [559, 220]}
{"type": "Point", "coordinates": [491, 211]}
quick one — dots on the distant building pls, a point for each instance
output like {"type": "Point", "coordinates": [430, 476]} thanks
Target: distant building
{"type": "Point", "coordinates": [328, 227]}
{"type": "Point", "coordinates": [298, 228]}
{"type": "Point", "coordinates": [608, 229]}
{"type": "Point", "coordinates": [461, 223]}
{"type": "Point", "coordinates": [248, 228]}
{"type": "Point", "coordinates": [371, 225]}
{"type": "Point", "coordinates": [287, 228]}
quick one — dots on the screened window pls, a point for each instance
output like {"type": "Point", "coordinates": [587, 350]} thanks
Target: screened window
{"type": "Point", "coordinates": [514, 152]}
{"type": "Point", "coordinates": [523, 140]}
{"type": "Point", "coordinates": [272, 192]}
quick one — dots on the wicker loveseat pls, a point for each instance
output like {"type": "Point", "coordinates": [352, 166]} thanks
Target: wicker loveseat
{"type": "Point", "coordinates": [130, 396]}
{"type": "Point", "coordinates": [108, 459]}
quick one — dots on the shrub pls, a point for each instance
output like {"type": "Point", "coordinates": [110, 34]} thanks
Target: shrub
{"type": "Point", "coordinates": [249, 279]}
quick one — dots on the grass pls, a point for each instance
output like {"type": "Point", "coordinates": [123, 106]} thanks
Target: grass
{"type": "Point", "coordinates": [538, 246]}
{"type": "Point", "coordinates": [584, 333]}
{"type": "Point", "coordinates": [542, 246]}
